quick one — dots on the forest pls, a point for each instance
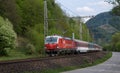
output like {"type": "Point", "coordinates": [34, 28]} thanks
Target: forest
{"type": "Point", "coordinates": [114, 45]}
{"type": "Point", "coordinates": [26, 23]}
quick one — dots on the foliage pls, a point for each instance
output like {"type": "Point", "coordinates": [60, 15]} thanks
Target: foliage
{"type": "Point", "coordinates": [14, 54]}
{"type": "Point", "coordinates": [107, 47]}
{"type": "Point", "coordinates": [114, 2]}
{"type": "Point", "coordinates": [27, 17]}
{"type": "Point", "coordinates": [116, 42]}
{"type": "Point", "coordinates": [31, 13]}
{"type": "Point", "coordinates": [24, 46]}
{"type": "Point", "coordinates": [7, 36]}
{"type": "Point", "coordinates": [116, 9]}
{"type": "Point", "coordinates": [36, 39]}
{"type": "Point", "coordinates": [114, 45]}
{"type": "Point", "coordinates": [8, 9]}
{"type": "Point", "coordinates": [118, 46]}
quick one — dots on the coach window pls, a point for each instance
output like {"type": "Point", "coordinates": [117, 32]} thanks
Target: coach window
{"type": "Point", "coordinates": [78, 44]}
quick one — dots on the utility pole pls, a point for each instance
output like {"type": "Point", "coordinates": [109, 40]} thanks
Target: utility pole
{"type": "Point", "coordinates": [88, 35]}
{"type": "Point", "coordinates": [73, 36]}
{"type": "Point", "coordinates": [80, 28]}
{"type": "Point", "coordinates": [45, 22]}
{"type": "Point", "coordinates": [45, 19]}
{"type": "Point", "coordinates": [91, 16]}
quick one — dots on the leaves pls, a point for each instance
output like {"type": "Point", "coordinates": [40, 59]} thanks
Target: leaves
{"type": "Point", "coordinates": [27, 17]}
{"type": "Point", "coordinates": [116, 9]}
{"type": "Point", "coordinates": [116, 41]}
{"type": "Point", "coordinates": [7, 35]}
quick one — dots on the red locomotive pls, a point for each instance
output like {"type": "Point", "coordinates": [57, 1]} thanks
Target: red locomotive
{"type": "Point", "coordinates": [56, 45]}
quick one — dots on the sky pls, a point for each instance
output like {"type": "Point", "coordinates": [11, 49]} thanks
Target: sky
{"type": "Point", "coordinates": [84, 7]}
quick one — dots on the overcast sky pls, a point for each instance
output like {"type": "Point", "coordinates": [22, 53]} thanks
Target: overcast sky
{"type": "Point", "coordinates": [84, 7]}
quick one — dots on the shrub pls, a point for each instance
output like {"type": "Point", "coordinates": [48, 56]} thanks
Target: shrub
{"type": "Point", "coordinates": [24, 46]}
{"type": "Point", "coordinates": [118, 46]}
{"type": "Point", "coordinates": [37, 39]}
{"type": "Point", "coordinates": [7, 36]}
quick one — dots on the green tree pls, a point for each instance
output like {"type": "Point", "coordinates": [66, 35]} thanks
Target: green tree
{"type": "Point", "coordinates": [7, 36]}
{"type": "Point", "coordinates": [118, 46]}
{"type": "Point", "coordinates": [31, 13]}
{"type": "Point", "coordinates": [116, 9]}
{"type": "Point", "coordinates": [8, 9]}
{"type": "Point", "coordinates": [116, 42]}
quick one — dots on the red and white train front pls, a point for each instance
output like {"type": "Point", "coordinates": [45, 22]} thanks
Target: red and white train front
{"type": "Point", "coordinates": [51, 43]}
{"type": "Point", "coordinates": [55, 44]}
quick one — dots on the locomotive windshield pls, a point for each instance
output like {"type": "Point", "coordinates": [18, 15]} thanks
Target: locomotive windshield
{"type": "Point", "coordinates": [51, 40]}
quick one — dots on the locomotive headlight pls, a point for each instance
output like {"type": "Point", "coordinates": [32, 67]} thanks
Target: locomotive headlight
{"type": "Point", "coordinates": [57, 47]}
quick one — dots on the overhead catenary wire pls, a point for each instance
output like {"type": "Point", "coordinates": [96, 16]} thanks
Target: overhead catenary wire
{"type": "Point", "coordinates": [69, 10]}
{"type": "Point", "coordinates": [61, 4]}
{"type": "Point", "coordinates": [79, 18]}
{"type": "Point", "coordinates": [76, 15]}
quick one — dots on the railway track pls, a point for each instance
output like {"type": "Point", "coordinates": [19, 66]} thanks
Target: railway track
{"type": "Point", "coordinates": [38, 64]}
{"type": "Point", "coordinates": [42, 58]}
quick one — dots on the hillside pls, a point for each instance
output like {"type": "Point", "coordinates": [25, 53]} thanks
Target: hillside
{"type": "Point", "coordinates": [103, 26]}
{"type": "Point", "coordinates": [27, 17]}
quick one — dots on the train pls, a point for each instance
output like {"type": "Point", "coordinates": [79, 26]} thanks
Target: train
{"type": "Point", "coordinates": [56, 44]}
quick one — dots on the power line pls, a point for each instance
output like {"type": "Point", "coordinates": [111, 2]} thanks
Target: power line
{"type": "Point", "coordinates": [61, 4]}
{"type": "Point", "coordinates": [79, 17]}
{"type": "Point", "coordinates": [67, 8]}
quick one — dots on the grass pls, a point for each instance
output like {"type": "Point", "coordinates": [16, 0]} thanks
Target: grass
{"type": "Point", "coordinates": [13, 55]}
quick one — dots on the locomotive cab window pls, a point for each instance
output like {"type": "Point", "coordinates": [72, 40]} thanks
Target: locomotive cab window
{"type": "Point", "coordinates": [51, 40]}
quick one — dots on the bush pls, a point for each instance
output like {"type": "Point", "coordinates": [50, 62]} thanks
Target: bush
{"type": "Point", "coordinates": [107, 47]}
{"type": "Point", "coordinates": [7, 36]}
{"type": "Point", "coordinates": [118, 46]}
{"type": "Point", "coordinates": [24, 46]}
{"type": "Point", "coordinates": [37, 39]}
